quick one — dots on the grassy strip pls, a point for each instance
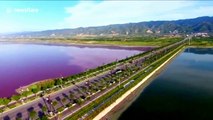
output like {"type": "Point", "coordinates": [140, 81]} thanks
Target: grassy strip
{"type": "Point", "coordinates": [134, 42]}
{"type": "Point", "coordinates": [202, 41]}
{"type": "Point", "coordinates": [137, 77]}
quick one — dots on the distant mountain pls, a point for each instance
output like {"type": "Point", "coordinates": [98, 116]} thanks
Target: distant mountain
{"type": "Point", "coordinates": [185, 26]}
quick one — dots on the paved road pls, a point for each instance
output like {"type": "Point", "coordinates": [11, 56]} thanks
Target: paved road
{"type": "Point", "coordinates": [38, 103]}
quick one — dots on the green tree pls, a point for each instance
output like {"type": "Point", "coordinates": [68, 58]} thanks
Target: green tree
{"type": "Point", "coordinates": [72, 96]}
{"type": "Point", "coordinates": [44, 117]}
{"type": "Point", "coordinates": [55, 103]}
{"type": "Point", "coordinates": [50, 84]}
{"type": "Point", "coordinates": [64, 100]}
{"type": "Point", "coordinates": [79, 101]}
{"type": "Point", "coordinates": [1, 101]}
{"type": "Point", "coordinates": [1, 110]}
{"type": "Point", "coordinates": [25, 93]}
{"type": "Point", "coordinates": [18, 118]}
{"type": "Point", "coordinates": [58, 81]}
{"type": "Point", "coordinates": [32, 114]}
{"type": "Point", "coordinates": [34, 89]}
{"type": "Point", "coordinates": [16, 97]}
{"type": "Point", "coordinates": [44, 109]}
{"type": "Point", "coordinates": [6, 101]}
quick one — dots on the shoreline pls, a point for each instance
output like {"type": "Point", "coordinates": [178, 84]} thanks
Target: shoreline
{"type": "Point", "coordinates": [105, 114]}
{"type": "Point", "coordinates": [194, 46]}
{"type": "Point", "coordinates": [70, 43]}
{"type": "Point", "coordinates": [25, 87]}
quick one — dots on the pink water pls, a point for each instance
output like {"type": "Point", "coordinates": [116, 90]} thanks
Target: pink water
{"type": "Point", "coordinates": [22, 64]}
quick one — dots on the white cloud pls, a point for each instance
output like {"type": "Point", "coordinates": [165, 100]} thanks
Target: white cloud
{"type": "Point", "coordinates": [89, 13]}
{"type": "Point", "coordinates": [9, 26]}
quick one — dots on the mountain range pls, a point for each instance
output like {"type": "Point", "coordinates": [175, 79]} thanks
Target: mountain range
{"type": "Point", "coordinates": [184, 26]}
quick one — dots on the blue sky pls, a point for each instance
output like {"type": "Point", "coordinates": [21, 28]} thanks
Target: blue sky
{"type": "Point", "coordinates": [19, 16]}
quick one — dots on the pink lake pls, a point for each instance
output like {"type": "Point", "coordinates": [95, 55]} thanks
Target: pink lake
{"type": "Point", "coordinates": [23, 64]}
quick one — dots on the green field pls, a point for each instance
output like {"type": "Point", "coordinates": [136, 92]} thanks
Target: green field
{"type": "Point", "coordinates": [130, 41]}
{"type": "Point", "coordinates": [201, 41]}
{"type": "Point", "coordinates": [118, 41]}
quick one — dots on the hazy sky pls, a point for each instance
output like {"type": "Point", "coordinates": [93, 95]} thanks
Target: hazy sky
{"type": "Point", "coordinates": [43, 15]}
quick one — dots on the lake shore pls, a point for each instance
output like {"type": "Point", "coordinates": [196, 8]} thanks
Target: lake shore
{"type": "Point", "coordinates": [200, 46]}
{"type": "Point", "coordinates": [121, 104]}
{"type": "Point", "coordinates": [72, 43]}
{"type": "Point", "coordinates": [26, 87]}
